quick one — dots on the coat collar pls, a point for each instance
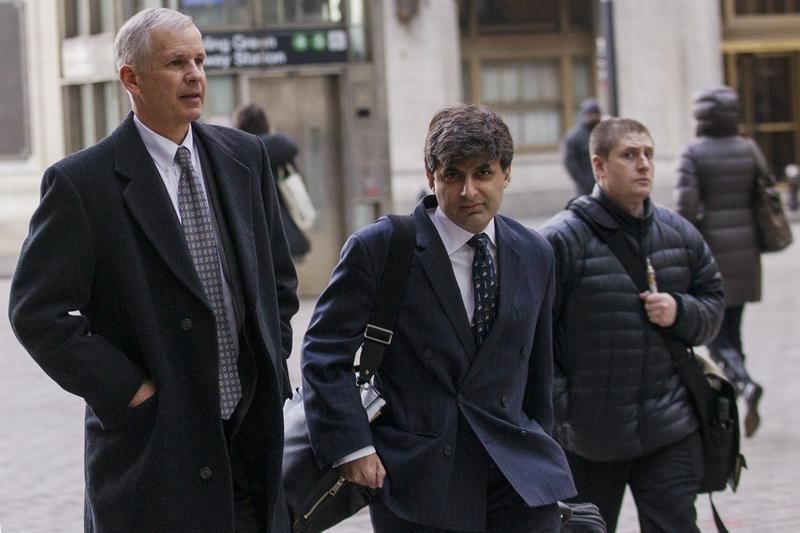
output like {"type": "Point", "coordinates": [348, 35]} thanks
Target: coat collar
{"type": "Point", "coordinates": [149, 203]}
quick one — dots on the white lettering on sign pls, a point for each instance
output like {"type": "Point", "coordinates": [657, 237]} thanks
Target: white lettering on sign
{"type": "Point", "coordinates": [214, 44]}
{"type": "Point", "coordinates": [257, 59]}
{"type": "Point", "coordinates": [222, 61]}
{"type": "Point", "coordinates": [249, 42]}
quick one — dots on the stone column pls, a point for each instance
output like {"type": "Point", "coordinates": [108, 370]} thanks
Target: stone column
{"type": "Point", "coordinates": [423, 74]}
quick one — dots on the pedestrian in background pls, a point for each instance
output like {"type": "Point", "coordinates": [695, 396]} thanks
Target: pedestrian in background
{"type": "Point", "coordinates": [714, 185]}
{"type": "Point", "coordinates": [156, 284]}
{"type": "Point", "coordinates": [575, 148]}
{"type": "Point", "coordinates": [622, 413]}
{"type": "Point", "coordinates": [282, 152]}
{"type": "Point", "coordinates": [465, 444]}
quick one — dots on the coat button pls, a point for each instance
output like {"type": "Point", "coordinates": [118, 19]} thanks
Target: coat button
{"type": "Point", "coordinates": [186, 324]}
{"type": "Point", "coordinates": [504, 401]}
{"type": "Point", "coordinates": [448, 451]}
{"type": "Point", "coordinates": [460, 398]}
{"type": "Point", "coordinates": [205, 473]}
{"type": "Point", "coordinates": [522, 433]}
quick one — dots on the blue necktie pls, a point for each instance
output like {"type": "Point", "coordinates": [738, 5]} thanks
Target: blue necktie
{"type": "Point", "coordinates": [484, 284]}
{"type": "Point", "coordinates": [199, 234]}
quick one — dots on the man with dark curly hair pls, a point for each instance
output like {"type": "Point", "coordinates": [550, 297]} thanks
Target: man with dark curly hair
{"type": "Point", "coordinates": [465, 444]}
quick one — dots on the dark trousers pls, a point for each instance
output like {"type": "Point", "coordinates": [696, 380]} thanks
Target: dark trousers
{"type": "Point", "coordinates": [506, 513]}
{"type": "Point", "coordinates": [726, 348]}
{"type": "Point", "coordinates": [246, 519]}
{"type": "Point", "coordinates": [664, 485]}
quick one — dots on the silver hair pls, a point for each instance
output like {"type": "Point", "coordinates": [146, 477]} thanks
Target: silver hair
{"type": "Point", "coordinates": [132, 43]}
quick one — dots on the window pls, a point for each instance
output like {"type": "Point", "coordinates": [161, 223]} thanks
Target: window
{"type": "Point", "coordinates": [766, 7]}
{"type": "Point", "coordinates": [218, 13]}
{"type": "Point", "coordinates": [500, 15]}
{"type": "Point", "coordinates": [531, 61]}
{"type": "Point", "coordinates": [91, 111]}
{"type": "Point", "coordinates": [527, 95]}
{"type": "Point", "coordinates": [314, 11]}
{"type": "Point", "coordinates": [14, 134]}
{"type": "Point", "coordinates": [220, 99]}
{"type": "Point", "coordinates": [263, 13]}
{"type": "Point", "coordinates": [73, 124]}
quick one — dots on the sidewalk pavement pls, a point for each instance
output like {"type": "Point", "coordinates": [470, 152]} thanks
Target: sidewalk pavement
{"type": "Point", "coordinates": [41, 449]}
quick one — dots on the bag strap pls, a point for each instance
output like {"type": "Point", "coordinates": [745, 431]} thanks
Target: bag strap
{"type": "Point", "coordinates": [682, 356]}
{"type": "Point", "coordinates": [761, 164]}
{"type": "Point", "coordinates": [380, 329]}
{"type": "Point", "coordinates": [717, 519]}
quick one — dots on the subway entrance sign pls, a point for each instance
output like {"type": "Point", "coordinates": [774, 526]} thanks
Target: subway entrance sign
{"type": "Point", "coordinates": [261, 49]}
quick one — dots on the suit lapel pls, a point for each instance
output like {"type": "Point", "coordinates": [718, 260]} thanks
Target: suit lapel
{"type": "Point", "coordinates": [439, 270]}
{"type": "Point", "coordinates": [508, 271]}
{"type": "Point", "coordinates": [233, 180]}
{"type": "Point", "coordinates": [149, 203]}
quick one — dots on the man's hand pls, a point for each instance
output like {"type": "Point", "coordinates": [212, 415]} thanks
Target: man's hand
{"type": "Point", "coordinates": [146, 390]}
{"type": "Point", "coordinates": [661, 308]}
{"type": "Point", "coordinates": [367, 471]}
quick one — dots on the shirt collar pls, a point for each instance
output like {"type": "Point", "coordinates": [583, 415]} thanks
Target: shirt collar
{"type": "Point", "coordinates": [454, 236]}
{"type": "Point", "coordinates": [161, 149]}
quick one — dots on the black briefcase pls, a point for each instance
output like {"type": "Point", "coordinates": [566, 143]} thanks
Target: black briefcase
{"type": "Point", "coordinates": [318, 498]}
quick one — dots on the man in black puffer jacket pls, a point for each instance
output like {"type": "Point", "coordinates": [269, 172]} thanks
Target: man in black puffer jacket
{"type": "Point", "coordinates": [622, 414]}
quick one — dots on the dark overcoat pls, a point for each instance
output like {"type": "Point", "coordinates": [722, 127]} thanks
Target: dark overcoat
{"type": "Point", "coordinates": [714, 189]}
{"type": "Point", "coordinates": [105, 295]}
{"type": "Point", "coordinates": [454, 407]}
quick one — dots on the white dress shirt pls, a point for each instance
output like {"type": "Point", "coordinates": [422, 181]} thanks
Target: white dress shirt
{"type": "Point", "coordinates": [454, 238]}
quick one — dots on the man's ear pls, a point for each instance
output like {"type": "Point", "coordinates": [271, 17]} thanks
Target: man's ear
{"type": "Point", "coordinates": [128, 78]}
{"type": "Point", "coordinates": [598, 166]}
{"type": "Point", "coordinates": [431, 179]}
{"type": "Point", "coordinates": [507, 177]}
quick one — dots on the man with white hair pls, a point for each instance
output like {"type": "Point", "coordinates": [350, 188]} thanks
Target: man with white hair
{"type": "Point", "coordinates": [156, 283]}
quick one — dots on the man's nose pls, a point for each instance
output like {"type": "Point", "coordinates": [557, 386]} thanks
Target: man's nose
{"type": "Point", "coordinates": [194, 71]}
{"type": "Point", "coordinates": [468, 190]}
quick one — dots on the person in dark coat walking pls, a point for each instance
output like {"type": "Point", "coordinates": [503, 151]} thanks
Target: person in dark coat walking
{"type": "Point", "coordinates": [575, 148]}
{"type": "Point", "coordinates": [465, 444]}
{"type": "Point", "coordinates": [622, 413]}
{"type": "Point", "coordinates": [714, 186]}
{"type": "Point", "coordinates": [282, 151]}
{"type": "Point", "coordinates": [156, 283]}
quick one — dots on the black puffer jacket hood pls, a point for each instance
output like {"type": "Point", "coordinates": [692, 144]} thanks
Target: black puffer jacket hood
{"type": "Point", "coordinates": [716, 111]}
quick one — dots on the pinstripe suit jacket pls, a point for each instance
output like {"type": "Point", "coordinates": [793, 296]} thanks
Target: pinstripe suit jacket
{"type": "Point", "coordinates": [453, 407]}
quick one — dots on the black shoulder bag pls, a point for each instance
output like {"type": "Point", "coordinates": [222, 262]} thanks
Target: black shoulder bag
{"type": "Point", "coordinates": [713, 397]}
{"type": "Point", "coordinates": [320, 498]}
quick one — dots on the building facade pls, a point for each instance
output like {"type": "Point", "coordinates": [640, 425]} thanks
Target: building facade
{"type": "Point", "coordinates": [355, 82]}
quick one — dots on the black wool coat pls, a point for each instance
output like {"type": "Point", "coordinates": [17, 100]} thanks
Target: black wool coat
{"type": "Point", "coordinates": [105, 295]}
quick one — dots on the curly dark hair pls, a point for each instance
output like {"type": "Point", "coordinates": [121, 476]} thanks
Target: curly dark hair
{"type": "Point", "coordinates": [463, 133]}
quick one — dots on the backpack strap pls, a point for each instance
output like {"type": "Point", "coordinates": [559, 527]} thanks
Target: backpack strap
{"type": "Point", "coordinates": [380, 329]}
{"type": "Point", "coordinates": [682, 355]}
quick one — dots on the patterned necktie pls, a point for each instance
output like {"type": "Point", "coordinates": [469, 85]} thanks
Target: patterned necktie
{"type": "Point", "coordinates": [484, 284]}
{"type": "Point", "coordinates": [199, 234]}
